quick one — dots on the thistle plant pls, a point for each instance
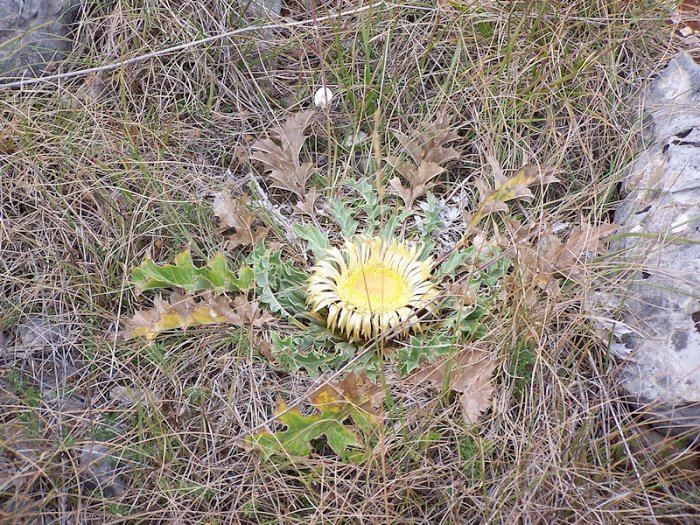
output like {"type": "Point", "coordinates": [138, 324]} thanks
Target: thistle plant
{"type": "Point", "coordinates": [353, 288]}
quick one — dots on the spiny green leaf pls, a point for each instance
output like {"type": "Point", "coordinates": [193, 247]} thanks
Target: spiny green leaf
{"type": "Point", "coordinates": [431, 216]}
{"type": "Point", "coordinates": [422, 351]}
{"type": "Point", "coordinates": [455, 261]}
{"type": "Point", "coordinates": [344, 217]}
{"type": "Point", "coordinates": [370, 202]}
{"type": "Point", "coordinates": [430, 224]}
{"type": "Point", "coordinates": [392, 223]}
{"type": "Point", "coordinates": [495, 272]}
{"type": "Point", "coordinates": [183, 274]}
{"type": "Point", "coordinates": [313, 350]}
{"type": "Point", "coordinates": [318, 240]}
{"type": "Point", "coordinates": [279, 284]}
{"type": "Point", "coordinates": [490, 276]}
{"type": "Point", "coordinates": [467, 319]}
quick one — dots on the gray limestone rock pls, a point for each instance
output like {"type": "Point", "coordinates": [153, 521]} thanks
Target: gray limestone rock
{"type": "Point", "coordinates": [33, 33]}
{"type": "Point", "coordinates": [659, 332]}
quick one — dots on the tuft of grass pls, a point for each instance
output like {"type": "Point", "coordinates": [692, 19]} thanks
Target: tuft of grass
{"type": "Point", "coordinates": [96, 172]}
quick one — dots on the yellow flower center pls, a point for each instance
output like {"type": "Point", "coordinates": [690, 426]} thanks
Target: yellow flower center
{"type": "Point", "coordinates": [374, 288]}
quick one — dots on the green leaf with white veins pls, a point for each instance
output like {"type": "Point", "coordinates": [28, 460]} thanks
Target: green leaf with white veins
{"type": "Point", "coordinates": [370, 202]}
{"type": "Point", "coordinates": [421, 351]}
{"type": "Point", "coordinates": [279, 284]}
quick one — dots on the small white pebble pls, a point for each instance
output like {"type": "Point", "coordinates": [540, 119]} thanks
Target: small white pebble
{"type": "Point", "coordinates": [323, 97]}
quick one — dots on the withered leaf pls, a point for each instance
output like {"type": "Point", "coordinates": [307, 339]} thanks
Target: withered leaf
{"type": "Point", "coordinates": [234, 214]}
{"type": "Point", "coordinates": [469, 372]}
{"type": "Point", "coordinates": [585, 242]}
{"type": "Point", "coordinates": [184, 311]}
{"type": "Point", "coordinates": [507, 189]}
{"type": "Point", "coordinates": [307, 204]}
{"type": "Point", "coordinates": [429, 145]}
{"type": "Point", "coordinates": [248, 313]}
{"type": "Point", "coordinates": [281, 156]}
{"type": "Point", "coordinates": [539, 265]}
{"type": "Point", "coordinates": [533, 271]}
{"type": "Point", "coordinates": [428, 154]}
{"type": "Point", "coordinates": [357, 389]}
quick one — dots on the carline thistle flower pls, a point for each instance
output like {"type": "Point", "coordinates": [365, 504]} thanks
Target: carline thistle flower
{"type": "Point", "coordinates": [371, 286]}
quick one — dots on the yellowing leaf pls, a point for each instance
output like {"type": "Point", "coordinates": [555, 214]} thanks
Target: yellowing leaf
{"type": "Point", "coordinates": [184, 311]}
{"type": "Point", "coordinates": [233, 214]}
{"type": "Point", "coordinates": [368, 398]}
{"type": "Point", "coordinates": [469, 372]}
{"type": "Point", "coordinates": [281, 157]}
{"type": "Point", "coordinates": [354, 399]}
{"type": "Point", "coordinates": [508, 189]}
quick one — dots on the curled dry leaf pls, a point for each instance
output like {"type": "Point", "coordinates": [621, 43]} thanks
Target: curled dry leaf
{"type": "Point", "coordinates": [307, 205]}
{"type": "Point", "coordinates": [184, 311]}
{"type": "Point", "coordinates": [538, 265]}
{"type": "Point", "coordinates": [428, 154]}
{"type": "Point", "coordinates": [507, 189]}
{"type": "Point", "coordinates": [584, 243]}
{"type": "Point", "coordinates": [234, 214]}
{"type": "Point", "coordinates": [248, 313]}
{"type": "Point", "coordinates": [281, 156]}
{"type": "Point", "coordinates": [470, 372]}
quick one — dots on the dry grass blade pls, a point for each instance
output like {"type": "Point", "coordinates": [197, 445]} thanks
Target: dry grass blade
{"type": "Point", "coordinates": [281, 156]}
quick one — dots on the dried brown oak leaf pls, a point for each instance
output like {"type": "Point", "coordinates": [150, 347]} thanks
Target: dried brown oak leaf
{"type": "Point", "coordinates": [507, 189]}
{"type": "Point", "coordinates": [469, 372]}
{"type": "Point", "coordinates": [428, 154]}
{"type": "Point", "coordinates": [234, 214]}
{"type": "Point", "coordinates": [307, 205]}
{"type": "Point", "coordinates": [540, 264]}
{"type": "Point", "coordinates": [184, 311]}
{"type": "Point", "coordinates": [584, 243]}
{"type": "Point", "coordinates": [281, 156]}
